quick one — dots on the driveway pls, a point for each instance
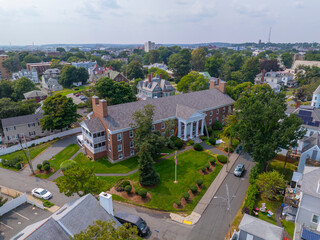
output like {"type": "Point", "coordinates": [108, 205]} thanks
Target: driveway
{"type": "Point", "coordinates": [50, 152]}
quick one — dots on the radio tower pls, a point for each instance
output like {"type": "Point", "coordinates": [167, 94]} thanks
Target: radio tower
{"type": "Point", "coordinates": [269, 38]}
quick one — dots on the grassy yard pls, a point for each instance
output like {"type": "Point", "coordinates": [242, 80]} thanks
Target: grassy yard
{"type": "Point", "coordinates": [34, 151]}
{"type": "Point", "coordinates": [270, 205]}
{"type": "Point", "coordinates": [289, 227]}
{"type": "Point", "coordinates": [65, 154]}
{"type": "Point", "coordinates": [67, 91]}
{"type": "Point", "coordinates": [278, 166]}
{"type": "Point", "coordinates": [102, 165]}
{"type": "Point", "coordinates": [166, 192]}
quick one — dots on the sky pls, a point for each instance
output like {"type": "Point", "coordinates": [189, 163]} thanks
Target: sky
{"type": "Point", "coordinates": [163, 21]}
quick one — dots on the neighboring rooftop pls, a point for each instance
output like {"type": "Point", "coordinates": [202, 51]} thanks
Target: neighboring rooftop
{"type": "Point", "coordinates": [298, 63]}
{"type": "Point", "coordinates": [94, 125]}
{"type": "Point", "coordinates": [310, 182]}
{"type": "Point", "coordinates": [25, 119]}
{"type": "Point", "coordinates": [34, 93]}
{"type": "Point", "coordinates": [260, 228]}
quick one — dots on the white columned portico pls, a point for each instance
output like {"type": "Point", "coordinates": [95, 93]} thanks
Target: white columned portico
{"type": "Point", "coordinates": [191, 130]}
{"type": "Point", "coordinates": [197, 128]}
{"type": "Point", "coordinates": [202, 125]}
{"type": "Point", "coordinates": [179, 129]}
{"type": "Point", "coordinates": [185, 131]}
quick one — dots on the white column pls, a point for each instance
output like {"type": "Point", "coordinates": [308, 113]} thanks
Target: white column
{"type": "Point", "coordinates": [197, 129]}
{"type": "Point", "coordinates": [202, 125]}
{"type": "Point", "coordinates": [179, 129]}
{"type": "Point", "coordinates": [185, 131]}
{"type": "Point", "coordinates": [191, 130]}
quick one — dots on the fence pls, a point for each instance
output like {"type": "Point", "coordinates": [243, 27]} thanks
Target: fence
{"type": "Point", "coordinates": [40, 140]}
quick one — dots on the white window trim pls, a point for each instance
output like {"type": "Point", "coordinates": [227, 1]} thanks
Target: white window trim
{"type": "Point", "coordinates": [108, 136]}
{"type": "Point", "coordinates": [131, 135]}
{"type": "Point", "coordinates": [121, 156]}
{"type": "Point", "coordinates": [153, 128]}
{"type": "Point", "coordinates": [132, 146]}
{"type": "Point", "coordinates": [119, 134]}
{"type": "Point", "coordinates": [109, 147]}
{"type": "Point", "coordinates": [131, 152]}
{"type": "Point", "coordinates": [312, 218]}
{"type": "Point", "coordinates": [211, 113]}
{"type": "Point", "coordinates": [120, 149]}
{"type": "Point", "coordinates": [163, 125]}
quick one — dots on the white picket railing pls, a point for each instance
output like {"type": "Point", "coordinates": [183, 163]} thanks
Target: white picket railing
{"type": "Point", "coordinates": [17, 147]}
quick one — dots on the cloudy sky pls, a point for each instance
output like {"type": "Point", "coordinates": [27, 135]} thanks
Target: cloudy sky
{"type": "Point", "coordinates": [163, 21]}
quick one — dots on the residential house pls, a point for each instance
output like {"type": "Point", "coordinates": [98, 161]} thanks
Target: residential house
{"type": "Point", "coordinates": [114, 75]}
{"type": "Point", "coordinates": [108, 132]}
{"type": "Point", "coordinates": [42, 66]}
{"type": "Point", "coordinates": [27, 125]}
{"type": "Point", "coordinates": [4, 73]}
{"type": "Point", "coordinates": [316, 98]}
{"type": "Point", "coordinates": [310, 117]}
{"type": "Point", "coordinates": [154, 87]}
{"type": "Point", "coordinates": [71, 219]}
{"type": "Point", "coordinates": [37, 95]}
{"type": "Point", "coordinates": [282, 78]}
{"type": "Point", "coordinates": [158, 65]}
{"type": "Point", "coordinates": [307, 221]}
{"type": "Point", "coordinates": [106, 57]}
{"type": "Point", "coordinates": [252, 228]}
{"type": "Point", "coordinates": [84, 64]}
{"type": "Point", "coordinates": [50, 80]}
{"type": "Point", "coordinates": [32, 75]}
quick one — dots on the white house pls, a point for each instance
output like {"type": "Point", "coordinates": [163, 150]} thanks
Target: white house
{"type": "Point", "coordinates": [32, 75]}
{"type": "Point", "coordinates": [316, 98]}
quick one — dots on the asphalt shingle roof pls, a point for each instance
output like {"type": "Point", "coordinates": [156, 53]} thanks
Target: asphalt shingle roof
{"type": "Point", "coordinates": [25, 119]}
{"type": "Point", "coordinates": [94, 125]}
{"type": "Point", "coordinates": [34, 93]}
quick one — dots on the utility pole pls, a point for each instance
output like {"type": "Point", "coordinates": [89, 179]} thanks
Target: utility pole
{"type": "Point", "coordinates": [230, 142]}
{"type": "Point", "coordinates": [27, 154]}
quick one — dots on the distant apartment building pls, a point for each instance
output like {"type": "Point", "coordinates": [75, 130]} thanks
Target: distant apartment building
{"type": "Point", "coordinates": [154, 87]}
{"type": "Point", "coordinates": [149, 46]}
{"type": "Point", "coordinates": [84, 64]}
{"type": "Point", "coordinates": [50, 80]}
{"type": "Point", "coordinates": [42, 66]}
{"type": "Point", "coordinates": [32, 75]}
{"type": "Point", "coordinates": [4, 74]}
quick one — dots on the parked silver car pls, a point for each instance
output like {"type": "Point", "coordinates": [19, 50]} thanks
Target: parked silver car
{"type": "Point", "coordinates": [239, 170]}
{"type": "Point", "coordinates": [41, 193]}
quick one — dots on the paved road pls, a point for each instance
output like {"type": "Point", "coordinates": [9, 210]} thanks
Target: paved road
{"type": "Point", "coordinates": [50, 152]}
{"type": "Point", "coordinates": [213, 223]}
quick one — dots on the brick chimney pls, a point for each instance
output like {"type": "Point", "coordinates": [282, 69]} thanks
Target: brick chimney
{"type": "Point", "coordinates": [160, 75]}
{"type": "Point", "coordinates": [298, 103]}
{"type": "Point", "coordinates": [100, 107]}
{"type": "Point", "coordinates": [262, 77]}
{"type": "Point", "coordinates": [217, 84]}
{"type": "Point", "coordinates": [149, 77]}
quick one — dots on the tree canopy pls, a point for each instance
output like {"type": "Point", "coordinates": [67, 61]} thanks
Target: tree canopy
{"type": "Point", "coordinates": [70, 74]}
{"type": "Point", "coordinates": [270, 184]}
{"type": "Point", "coordinates": [193, 82]}
{"type": "Point", "coordinates": [21, 86]}
{"type": "Point", "coordinates": [213, 65]}
{"type": "Point", "coordinates": [59, 112]}
{"type": "Point", "coordinates": [114, 92]}
{"type": "Point", "coordinates": [287, 59]}
{"type": "Point", "coordinates": [250, 69]}
{"type": "Point", "coordinates": [159, 71]}
{"type": "Point", "coordinates": [198, 59]}
{"type": "Point", "coordinates": [134, 70]}
{"type": "Point", "coordinates": [180, 63]}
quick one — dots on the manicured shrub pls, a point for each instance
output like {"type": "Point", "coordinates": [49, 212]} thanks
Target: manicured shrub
{"type": "Point", "coordinates": [212, 161]}
{"type": "Point", "coordinates": [204, 138]}
{"type": "Point", "coordinates": [235, 143]}
{"type": "Point", "coordinates": [178, 143]}
{"type": "Point", "coordinates": [198, 147]}
{"type": "Point", "coordinates": [136, 191]}
{"type": "Point", "coordinates": [124, 183]}
{"type": "Point", "coordinates": [203, 169]}
{"type": "Point", "coordinates": [231, 149]}
{"type": "Point", "coordinates": [217, 125]}
{"type": "Point", "coordinates": [255, 171]}
{"type": "Point", "coordinates": [67, 165]}
{"type": "Point", "coordinates": [185, 195]}
{"type": "Point", "coordinates": [209, 129]}
{"type": "Point", "coordinates": [128, 188]}
{"type": "Point", "coordinates": [207, 166]}
{"type": "Point", "coordinates": [191, 142]}
{"type": "Point", "coordinates": [212, 141]}
{"type": "Point", "coordinates": [45, 162]}
{"type": "Point", "coordinates": [251, 197]}
{"type": "Point", "coordinates": [143, 192]}
{"type": "Point", "coordinates": [178, 202]}
{"type": "Point", "coordinates": [199, 181]}
{"type": "Point", "coordinates": [46, 167]}
{"type": "Point", "coordinates": [12, 162]}
{"type": "Point", "coordinates": [39, 166]}
{"type": "Point", "coordinates": [193, 189]}
{"type": "Point", "coordinates": [173, 138]}
{"type": "Point", "coordinates": [47, 204]}
{"type": "Point", "coordinates": [18, 165]}
{"type": "Point", "coordinates": [222, 158]}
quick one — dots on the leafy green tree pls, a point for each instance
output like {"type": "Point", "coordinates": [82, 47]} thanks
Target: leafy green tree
{"type": "Point", "coordinates": [262, 125]}
{"type": "Point", "coordinates": [74, 50]}
{"type": "Point", "coordinates": [198, 59]}
{"type": "Point", "coordinates": [154, 56]}
{"type": "Point", "coordinates": [99, 60]}
{"type": "Point", "coordinates": [180, 63]}
{"type": "Point", "coordinates": [262, 55]}
{"type": "Point", "coordinates": [269, 65]}
{"type": "Point", "coordinates": [134, 70]}
{"type": "Point", "coordinates": [135, 57]}
{"type": "Point", "coordinates": [159, 71]}
{"type": "Point", "coordinates": [301, 93]}
{"type": "Point", "coordinates": [55, 63]}
{"type": "Point", "coordinates": [164, 53]}
{"type": "Point", "coordinates": [71, 74]}
{"type": "Point", "coordinates": [30, 58]}
{"type": "Point", "coordinates": [107, 230]}
{"type": "Point", "coordinates": [59, 112]}
{"type": "Point", "coordinates": [250, 69]}
{"type": "Point", "coordinates": [287, 59]}
{"type": "Point", "coordinates": [21, 86]}
{"type": "Point", "coordinates": [235, 91]}
{"type": "Point", "coordinates": [6, 88]}
{"type": "Point", "coordinates": [270, 184]}
{"type": "Point", "coordinates": [12, 64]}
{"type": "Point", "coordinates": [213, 65]}
{"type": "Point", "coordinates": [234, 63]}
{"type": "Point", "coordinates": [60, 49]}
{"type": "Point", "coordinates": [146, 59]}
{"type": "Point", "coordinates": [114, 92]}
{"type": "Point", "coordinates": [193, 82]}
{"type": "Point", "coordinates": [80, 180]}
{"type": "Point", "coordinates": [115, 64]}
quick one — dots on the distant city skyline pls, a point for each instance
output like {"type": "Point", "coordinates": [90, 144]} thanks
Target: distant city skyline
{"type": "Point", "coordinates": [163, 22]}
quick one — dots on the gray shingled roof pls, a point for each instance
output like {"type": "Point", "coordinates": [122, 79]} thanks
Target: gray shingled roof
{"type": "Point", "coordinates": [34, 93]}
{"type": "Point", "coordinates": [310, 181]}
{"type": "Point", "coordinates": [260, 228]}
{"type": "Point", "coordinates": [25, 119]}
{"type": "Point", "coordinates": [120, 116]}
{"type": "Point", "coordinates": [311, 141]}
{"type": "Point", "coordinates": [94, 125]}
{"type": "Point", "coordinates": [184, 112]}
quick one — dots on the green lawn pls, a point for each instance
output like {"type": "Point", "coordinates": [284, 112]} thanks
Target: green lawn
{"type": "Point", "coordinates": [67, 91]}
{"type": "Point", "coordinates": [102, 165]}
{"type": "Point", "coordinates": [34, 151]}
{"type": "Point", "coordinates": [289, 227]}
{"type": "Point", "coordinates": [65, 154]}
{"type": "Point", "coordinates": [270, 205]}
{"type": "Point", "coordinates": [166, 192]}
{"type": "Point", "coordinates": [278, 165]}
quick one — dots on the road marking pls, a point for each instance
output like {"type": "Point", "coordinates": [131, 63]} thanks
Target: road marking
{"type": "Point", "coordinates": [21, 215]}
{"type": "Point", "coordinates": [187, 222]}
{"type": "Point", "coordinates": [6, 225]}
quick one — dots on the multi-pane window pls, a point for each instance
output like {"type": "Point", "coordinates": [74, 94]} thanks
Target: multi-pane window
{"type": "Point", "coordinates": [153, 128]}
{"type": "Point", "coordinates": [315, 219]}
{"type": "Point", "coordinates": [131, 144]}
{"type": "Point", "coordinates": [131, 152]}
{"type": "Point", "coordinates": [120, 156]}
{"type": "Point", "coordinates": [120, 148]}
{"type": "Point", "coordinates": [119, 136]}
{"type": "Point", "coordinates": [163, 125]}
{"type": "Point", "coordinates": [31, 125]}
{"type": "Point", "coordinates": [131, 134]}
{"type": "Point", "coordinates": [211, 112]}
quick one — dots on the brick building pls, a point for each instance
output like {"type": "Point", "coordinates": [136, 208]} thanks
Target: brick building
{"type": "Point", "coordinates": [108, 131]}
{"type": "Point", "coordinates": [4, 74]}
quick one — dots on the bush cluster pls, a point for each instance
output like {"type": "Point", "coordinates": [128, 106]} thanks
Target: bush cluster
{"type": "Point", "coordinates": [231, 149]}
{"type": "Point", "coordinates": [251, 197]}
{"type": "Point", "coordinates": [203, 169]}
{"type": "Point", "coordinates": [212, 141]}
{"type": "Point", "coordinates": [235, 143]}
{"type": "Point", "coordinates": [193, 189]}
{"type": "Point", "coordinates": [217, 125]}
{"type": "Point", "coordinates": [207, 166]}
{"type": "Point", "coordinates": [178, 143]}
{"type": "Point", "coordinates": [178, 202]}
{"type": "Point", "coordinates": [209, 129]}
{"type": "Point", "coordinates": [123, 184]}
{"type": "Point", "coordinates": [67, 165]}
{"type": "Point", "coordinates": [15, 162]}
{"type": "Point", "coordinates": [142, 192]}
{"type": "Point", "coordinates": [47, 204]}
{"type": "Point", "coordinates": [185, 195]}
{"type": "Point", "coordinates": [222, 158]}
{"type": "Point", "coordinates": [190, 142]}
{"type": "Point", "coordinates": [199, 181]}
{"type": "Point", "coordinates": [255, 171]}
{"type": "Point", "coordinates": [128, 188]}
{"type": "Point", "coordinates": [212, 161]}
{"type": "Point", "coordinates": [197, 147]}
{"type": "Point", "coordinates": [204, 138]}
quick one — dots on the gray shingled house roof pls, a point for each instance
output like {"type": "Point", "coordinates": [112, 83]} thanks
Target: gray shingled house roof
{"type": "Point", "coordinates": [14, 121]}
{"type": "Point", "coordinates": [71, 219]}
{"type": "Point", "coordinates": [260, 228]}
{"type": "Point", "coordinates": [311, 141]}
{"type": "Point", "coordinates": [34, 93]}
{"type": "Point", "coordinates": [94, 125]}
{"type": "Point", "coordinates": [120, 116]}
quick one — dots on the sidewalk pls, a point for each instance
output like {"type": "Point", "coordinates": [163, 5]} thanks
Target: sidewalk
{"type": "Point", "coordinates": [194, 217]}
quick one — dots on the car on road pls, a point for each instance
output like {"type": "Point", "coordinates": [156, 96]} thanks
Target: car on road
{"type": "Point", "coordinates": [41, 193]}
{"type": "Point", "coordinates": [238, 171]}
{"type": "Point", "coordinates": [134, 220]}
{"type": "Point", "coordinates": [77, 94]}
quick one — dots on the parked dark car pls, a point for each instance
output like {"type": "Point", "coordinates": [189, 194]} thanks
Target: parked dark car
{"type": "Point", "coordinates": [239, 170]}
{"type": "Point", "coordinates": [123, 217]}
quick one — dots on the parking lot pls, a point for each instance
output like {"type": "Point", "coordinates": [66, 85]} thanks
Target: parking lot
{"type": "Point", "coordinates": [16, 220]}
{"type": "Point", "coordinates": [76, 100]}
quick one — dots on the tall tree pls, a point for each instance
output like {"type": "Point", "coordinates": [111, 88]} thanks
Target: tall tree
{"type": "Point", "coordinates": [115, 64]}
{"type": "Point", "coordinates": [269, 65]}
{"type": "Point", "coordinates": [59, 112]}
{"type": "Point", "coordinates": [6, 88]}
{"type": "Point", "coordinates": [287, 59]}
{"type": "Point", "coordinates": [107, 230]}
{"type": "Point", "coordinates": [154, 56]}
{"type": "Point", "coordinates": [180, 63]}
{"type": "Point", "coordinates": [114, 92]}
{"type": "Point", "coordinates": [270, 184]}
{"type": "Point", "coordinates": [79, 180]}
{"type": "Point", "coordinates": [55, 63]}
{"type": "Point", "coordinates": [70, 74]}
{"type": "Point", "coordinates": [198, 59]}
{"type": "Point", "coordinates": [213, 65]}
{"type": "Point", "coordinates": [193, 82]}
{"type": "Point", "coordinates": [262, 125]}
{"type": "Point", "coordinates": [250, 69]}
{"type": "Point", "coordinates": [159, 71]}
{"type": "Point", "coordinates": [60, 49]}
{"type": "Point", "coordinates": [21, 86]}
{"type": "Point", "coordinates": [164, 53]}
{"type": "Point", "coordinates": [12, 64]}
{"type": "Point", "coordinates": [134, 70]}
